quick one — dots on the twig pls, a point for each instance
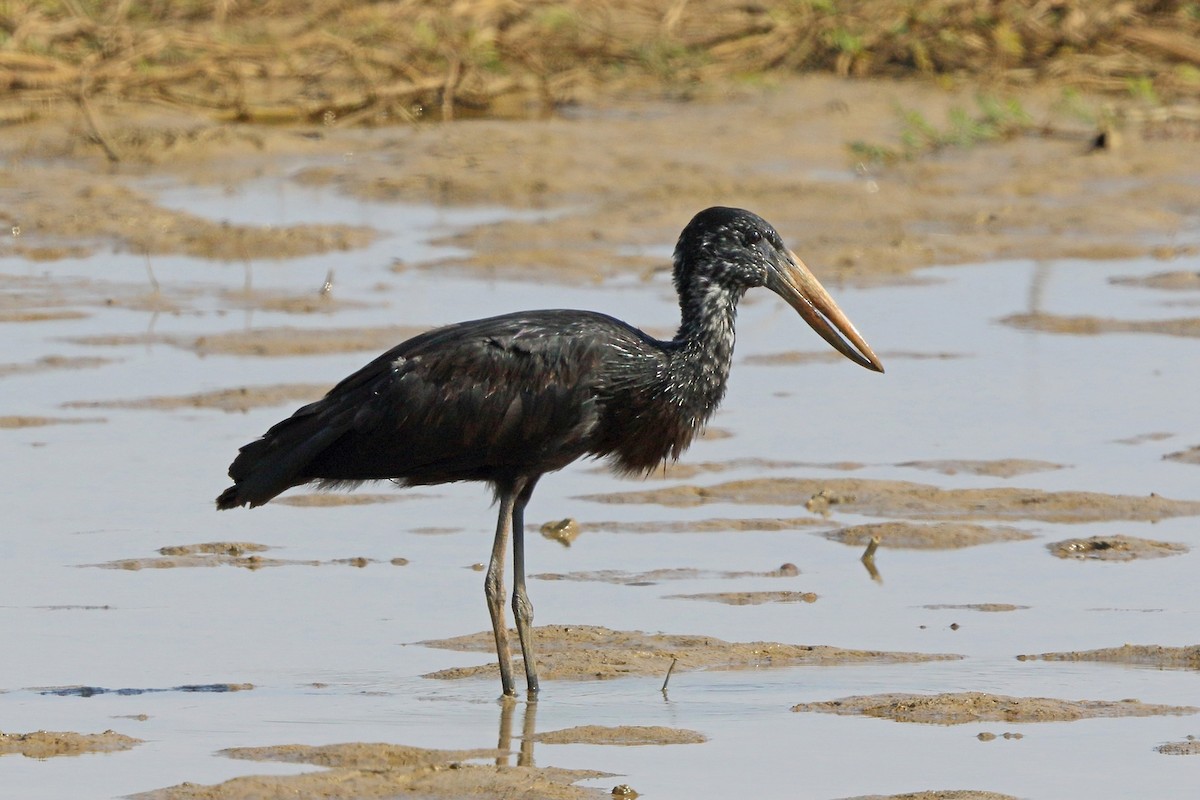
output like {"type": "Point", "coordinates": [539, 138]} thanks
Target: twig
{"type": "Point", "coordinates": [667, 680]}
{"type": "Point", "coordinates": [872, 546]}
{"type": "Point", "coordinates": [868, 559]}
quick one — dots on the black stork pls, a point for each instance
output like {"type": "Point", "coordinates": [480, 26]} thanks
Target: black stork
{"type": "Point", "coordinates": [507, 399]}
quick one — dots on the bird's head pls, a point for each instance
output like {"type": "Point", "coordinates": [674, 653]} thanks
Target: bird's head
{"type": "Point", "coordinates": [732, 250]}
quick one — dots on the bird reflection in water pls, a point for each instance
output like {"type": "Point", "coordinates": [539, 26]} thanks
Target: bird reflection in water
{"type": "Point", "coordinates": [528, 729]}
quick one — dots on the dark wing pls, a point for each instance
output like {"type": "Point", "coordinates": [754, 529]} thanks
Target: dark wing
{"type": "Point", "coordinates": [484, 400]}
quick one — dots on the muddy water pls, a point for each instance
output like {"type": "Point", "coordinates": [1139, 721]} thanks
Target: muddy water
{"type": "Point", "coordinates": [328, 636]}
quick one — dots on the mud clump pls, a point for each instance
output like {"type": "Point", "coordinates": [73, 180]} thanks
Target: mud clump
{"type": "Point", "coordinates": [51, 363]}
{"type": "Point", "coordinates": [220, 554]}
{"type": "Point", "coordinates": [234, 549]}
{"type": "Point", "coordinates": [986, 607]}
{"type": "Point", "coordinates": [1115, 548]}
{"type": "Point", "coordinates": [290, 341]}
{"type": "Point", "coordinates": [999, 468]}
{"type": "Point", "coordinates": [1188, 456]}
{"type": "Point", "coordinates": [581, 652]}
{"type": "Point", "coordinates": [651, 577]}
{"type": "Point", "coordinates": [1092, 326]}
{"type": "Point", "coordinates": [17, 421]}
{"type": "Point", "coordinates": [937, 794]}
{"type": "Point", "coordinates": [362, 770]}
{"type": "Point", "coordinates": [683, 470]}
{"type": "Point", "coordinates": [1175, 280]}
{"type": "Point", "coordinates": [963, 707]}
{"type": "Point", "coordinates": [1188, 747]}
{"type": "Point", "coordinates": [40, 315]}
{"type": "Point", "coordinates": [563, 531]}
{"type": "Point", "coordinates": [131, 691]}
{"type": "Point", "coordinates": [917, 536]}
{"type": "Point", "coordinates": [749, 598]}
{"type": "Point", "coordinates": [207, 554]}
{"type": "Point", "coordinates": [51, 744]}
{"type": "Point", "coordinates": [905, 500]}
{"type": "Point", "coordinates": [713, 525]}
{"type": "Point", "coordinates": [623, 735]}
{"type": "Point", "coordinates": [80, 208]}
{"type": "Point", "coordinates": [1147, 655]}
{"type": "Point", "coordinates": [335, 499]}
{"type": "Point", "coordinates": [240, 399]}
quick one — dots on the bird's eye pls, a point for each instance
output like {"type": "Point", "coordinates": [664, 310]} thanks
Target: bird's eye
{"type": "Point", "coordinates": [752, 237]}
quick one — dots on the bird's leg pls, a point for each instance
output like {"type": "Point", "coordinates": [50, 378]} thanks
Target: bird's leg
{"type": "Point", "coordinates": [522, 608]}
{"type": "Point", "coordinates": [493, 588]}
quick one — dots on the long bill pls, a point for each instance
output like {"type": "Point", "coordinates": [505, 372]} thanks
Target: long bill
{"type": "Point", "coordinates": [795, 283]}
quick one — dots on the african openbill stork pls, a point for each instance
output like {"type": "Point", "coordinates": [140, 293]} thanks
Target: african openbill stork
{"type": "Point", "coordinates": [507, 399]}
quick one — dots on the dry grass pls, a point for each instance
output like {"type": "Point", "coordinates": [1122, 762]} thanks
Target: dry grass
{"type": "Point", "coordinates": [354, 62]}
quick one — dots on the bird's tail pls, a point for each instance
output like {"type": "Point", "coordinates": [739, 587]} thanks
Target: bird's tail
{"type": "Point", "coordinates": [230, 498]}
{"type": "Point", "coordinates": [279, 460]}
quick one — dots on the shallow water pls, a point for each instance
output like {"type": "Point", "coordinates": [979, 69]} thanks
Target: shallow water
{"type": "Point", "coordinates": [331, 650]}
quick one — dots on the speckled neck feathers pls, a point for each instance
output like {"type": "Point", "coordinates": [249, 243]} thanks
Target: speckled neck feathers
{"type": "Point", "coordinates": [704, 344]}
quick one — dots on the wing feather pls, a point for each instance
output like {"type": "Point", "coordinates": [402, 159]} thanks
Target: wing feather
{"type": "Point", "coordinates": [482, 400]}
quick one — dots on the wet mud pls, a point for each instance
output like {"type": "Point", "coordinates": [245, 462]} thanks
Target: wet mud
{"type": "Point", "coordinates": [240, 399]}
{"type": "Point", "coordinates": [335, 499]}
{"type": "Point", "coordinates": [1188, 747]}
{"type": "Point", "coordinates": [637, 161]}
{"type": "Point", "coordinates": [987, 607]}
{"type": "Point", "coordinates": [51, 363]}
{"type": "Point", "coordinates": [651, 577]}
{"type": "Point", "coordinates": [925, 536]}
{"type": "Point", "coordinates": [195, 688]}
{"type": "Point", "coordinates": [227, 554]}
{"type": "Point", "coordinates": [1143, 438]}
{"type": "Point", "coordinates": [365, 770]}
{"type": "Point", "coordinates": [51, 744]}
{"type": "Point", "coordinates": [606, 192]}
{"type": "Point", "coordinates": [41, 422]}
{"type": "Point", "coordinates": [83, 209]}
{"type": "Point", "coordinates": [963, 707]}
{"type": "Point", "coordinates": [748, 598]}
{"type": "Point", "coordinates": [722, 524]}
{"type": "Point", "coordinates": [623, 735]}
{"type": "Point", "coordinates": [563, 531]}
{"type": "Point", "coordinates": [799, 357]}
{"type": "Point", "coordinates": [937, 794]}
{"type": "Point", "coordinates": [586, 652]}
{"type": "Point", "coordinates": [1086, 325]}
{"type": "Point", "coordinates": [268, 342]}
{"type": "Point", "coordinates": [689, 469]}
{"type": "Point", "coordinates": [300, 341]}
{"type": "Point", "coordinates": [1156, 656]}
{"type": "Point", "coordinates": [1115, 548]}
{"type": "Point", "coordinates": [999, 468]}
{"type": "Point", "coordinates": [884, 498]}
{"type": "Point", "coordinates": [955, 209]}
{"type": "Point", "coordinates": [1175, 280]}
{"type": "Point", "coordinates": [1188, 456]}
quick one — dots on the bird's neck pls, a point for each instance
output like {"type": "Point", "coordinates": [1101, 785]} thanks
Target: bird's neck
{"type": "Point", "coordinates": [661, 410]}
{"type": "Point", "coordinates": [703, 349]}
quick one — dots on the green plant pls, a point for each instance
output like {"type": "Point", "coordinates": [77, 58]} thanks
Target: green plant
{"type": "Point", "coordinates": [993, 119]}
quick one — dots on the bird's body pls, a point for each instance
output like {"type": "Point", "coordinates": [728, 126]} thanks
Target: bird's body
{"type": "Point", "coordinates": [510, 398]}
{"type": "Point", "coordinates": [490, 400]}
